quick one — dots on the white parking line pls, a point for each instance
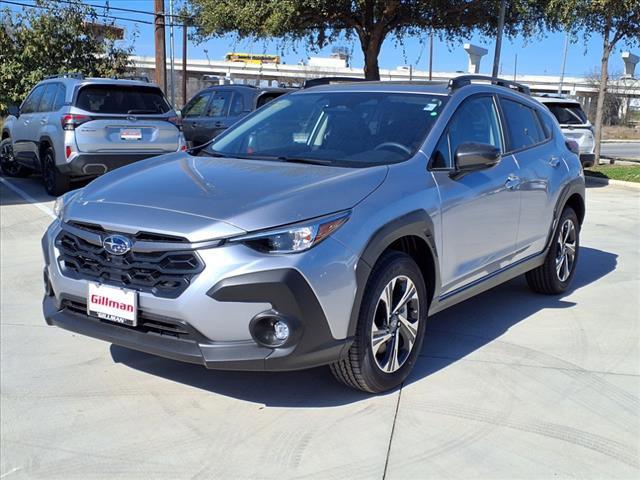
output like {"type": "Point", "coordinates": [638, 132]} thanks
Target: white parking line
{"type": "Point", "coordinates": [27, 197]}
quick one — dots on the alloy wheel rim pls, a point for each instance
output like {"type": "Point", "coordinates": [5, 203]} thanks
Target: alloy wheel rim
{"type": "Point", "coordinates": [567, 247]}
{"type": "Point", "coordinates": [395, 324]}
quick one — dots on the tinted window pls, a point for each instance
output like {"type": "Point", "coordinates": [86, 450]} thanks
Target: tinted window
{"type": "Point", "coordinates": [337, 128]}
{"type": "Point", "coordinates": [122, 99]}
{"type": "Point", "coordinates": [568, 113]}
{"type": "Point", "coordinates": [31, 103]}
{"type": "Point", "coordinates": [219, 104]}
{"type": "Point", "coordinates": [196, 106]}
{"type": "Point", "coordinates": [522, 125]}
{"type": "Point", "coordinates": [548, 125]}
{"type": "Point", "coordinates": [475, 121]}
{"type": "Point", "coordinates": [442, 154]}
{"type": "Point", "coordinates": [237, 105]}
{"type": "Point", "coordinates": [48, 98]}
{"type": "Point", "coordinates": [60, 97]}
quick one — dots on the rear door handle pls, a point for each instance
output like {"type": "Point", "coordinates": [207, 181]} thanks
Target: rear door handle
{"type": "Point", "coordinates": [554, 161]}
{"type": "Point", "coordinates": [43, 121]}
{"type": "Point", "coordinates": [512, 182]}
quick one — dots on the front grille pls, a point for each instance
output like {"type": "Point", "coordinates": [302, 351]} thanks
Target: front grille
{"type": "Point", "coordinates": [147, 323]}
{"type": "Point", "coordinates": [140, 236]}
{"type": "Point", "coordinates": [164, 274]}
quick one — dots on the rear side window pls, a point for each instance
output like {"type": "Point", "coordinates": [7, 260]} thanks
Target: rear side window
{"type": "Point", "coordinates": [219, 105]}
{"type": "Point", "coordinates": [522, 125]}
{"type": "Point", "coordinates": [60, 97]}
{"type": "Point", "coordinates": [547, 124]}
{"type": "Point", "coordinates": [31, 103]}
{"type": "Point", "coordinates": [568, 113]}
{"type": "Point", "coordinates": [117, 99]}
{"type": "Point", "coordinates": [48, 98]}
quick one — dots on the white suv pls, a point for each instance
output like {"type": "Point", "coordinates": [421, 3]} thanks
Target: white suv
{"type": "Point", "coordinates": [71, 128]}
{"type": "Point", "coordinates": [573, 123]}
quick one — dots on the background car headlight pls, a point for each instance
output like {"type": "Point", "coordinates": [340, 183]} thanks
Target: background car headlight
{"type": "Point", "coordinates": [58, 207]}
{"type": "Point", "coordinates": [295, 238]}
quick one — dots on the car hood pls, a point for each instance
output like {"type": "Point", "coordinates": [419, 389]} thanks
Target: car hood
{"type": "Point", "coordinates": [210, 197]}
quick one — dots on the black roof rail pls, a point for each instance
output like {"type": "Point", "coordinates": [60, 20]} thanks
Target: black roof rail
{"type": "Point", "coordinates": [462, 80]}
{"type": "Point", "coordinates": [315, 82]}
{"type": "Point", "coordinates": [78, 75]}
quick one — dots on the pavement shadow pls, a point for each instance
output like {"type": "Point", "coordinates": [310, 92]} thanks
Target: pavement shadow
{"type": "Point", "coordinates": [451, 335]}
{"type": "Point", "coordinates": [31, 185]}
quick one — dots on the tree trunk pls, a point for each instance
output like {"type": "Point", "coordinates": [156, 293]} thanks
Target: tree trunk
{"type": "Point", "coordinates": [602, 90]}
{"type": "Point", "coordinates": [371, 44]}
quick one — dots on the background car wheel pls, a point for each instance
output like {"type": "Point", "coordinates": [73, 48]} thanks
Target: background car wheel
{"type": "Point", "coordinates": [55, 183]}
{"type": "Point", "coordinates": [390, 327]}
{"type": "Point", "coordinates": [554, 276]}
{"type": "Point", "coordinates": [8, 165]}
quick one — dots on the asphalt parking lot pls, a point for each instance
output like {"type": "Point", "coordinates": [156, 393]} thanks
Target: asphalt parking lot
{"type": "Point", "coordinates": [509, 385]}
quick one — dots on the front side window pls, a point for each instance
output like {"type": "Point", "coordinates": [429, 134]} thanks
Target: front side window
{"type": "Point", "coordinates": [31, 103]}
{"type": "Point", "coordinates": [475, 121]}
{"type": "Point", "coordinates": [522, 125]}
{"type": "Point", "coordinates": [197, 105]}
{"type": "Point", "coordinates": [121, 99]}
{"type": "Point", "coordinates": [336, 128]}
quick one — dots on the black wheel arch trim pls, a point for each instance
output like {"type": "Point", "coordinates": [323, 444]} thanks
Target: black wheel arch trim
{"type": "Point", "coordinates": [417, 223]}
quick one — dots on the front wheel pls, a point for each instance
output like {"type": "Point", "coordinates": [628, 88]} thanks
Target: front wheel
{"type": "Point", "coordinates": [55, 183]}
{"type": "Point", "coordinates": [390, 327]}
{"type": "Point", "coordinates": [555, 275]}
{"type": "Point", "coordinates": [8, 164]}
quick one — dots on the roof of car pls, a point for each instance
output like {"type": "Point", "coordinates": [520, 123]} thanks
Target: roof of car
{"type": "Point", "coordinates": [438, 88]}
{"type": "Point", "coordinates": [100, 81]}
{"type": "Point", "coordinates": [555, 99]}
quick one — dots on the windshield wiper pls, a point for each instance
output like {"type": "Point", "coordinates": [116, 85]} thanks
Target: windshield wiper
{"type": "Point", "coordinates": [141, 112]}
{"type": "Point", "coordinates": [313, 161]}
{"type": "Point", "coordinates": [211, 153]}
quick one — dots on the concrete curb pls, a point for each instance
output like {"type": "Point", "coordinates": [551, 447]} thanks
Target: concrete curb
{"type": "Point", "coordinates": [611, 183]}
{"type": "Point", "coordinates": [619, 141]}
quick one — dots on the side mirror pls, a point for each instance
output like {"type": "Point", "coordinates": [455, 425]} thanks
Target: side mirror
{"type": "Point", "coordinates": [476, 156]}
{"type": "Point", "coordinates": [14, 110]}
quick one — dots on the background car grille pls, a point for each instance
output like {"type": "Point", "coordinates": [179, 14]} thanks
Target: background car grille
{"type": "Point", "coordinates": [164, 274]}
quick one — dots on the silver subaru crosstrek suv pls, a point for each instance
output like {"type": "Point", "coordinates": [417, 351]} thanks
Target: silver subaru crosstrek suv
{"type": "Point", "coordinates": [75, 128]}
{"type": "Point", "coordinates": [322, 229]}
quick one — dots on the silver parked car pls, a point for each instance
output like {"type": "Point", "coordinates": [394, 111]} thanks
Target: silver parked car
{"type": "Point", "coordinates": [574, 124]}
{"type": "Point", "coordinates": [322, 229]}
{"type": "Point", "coordinates": [70, 127]}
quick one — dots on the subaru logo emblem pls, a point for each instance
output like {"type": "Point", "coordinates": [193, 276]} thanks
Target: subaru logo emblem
{"type": "Point", "coordinates": [116, 244]}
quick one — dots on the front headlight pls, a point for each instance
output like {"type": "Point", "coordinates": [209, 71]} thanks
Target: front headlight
{"type": "Point", "coordinates": [294, 238]}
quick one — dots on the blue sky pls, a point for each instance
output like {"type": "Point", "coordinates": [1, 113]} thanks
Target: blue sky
{"type": "Point", "coordinates": [538, 55]}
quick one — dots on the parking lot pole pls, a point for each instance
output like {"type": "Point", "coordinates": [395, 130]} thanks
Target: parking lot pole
{"type": "Point", "coordinates": [496, 55]}
{"type": "Point", "coordinates": [184, 62]}
{"type": "Point", "coordinates": [161, 55]}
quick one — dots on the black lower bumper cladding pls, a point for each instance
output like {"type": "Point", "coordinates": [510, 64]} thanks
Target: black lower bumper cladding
{"type": "Point", "coordinates": [286, 290]}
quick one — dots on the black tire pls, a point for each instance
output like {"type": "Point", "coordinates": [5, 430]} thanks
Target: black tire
{"type": "Point", "coordinates": [8, 165]}
{"type": "Point", "coordinates": [547, 279]}
{"type": "Point", "coordinates": [55, 183]}
{"type": "Point", "coordinates": [361, 369]}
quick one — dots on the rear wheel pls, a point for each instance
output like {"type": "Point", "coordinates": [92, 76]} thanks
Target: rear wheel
{"type": "Point", "coordinates": [390, 327]}
{"type": "Point", "coordinates": [55, 183]}
{"type": "Point", "coordinates": [554, 276]}
{"type": "Point", "coordinates": [8, 164]}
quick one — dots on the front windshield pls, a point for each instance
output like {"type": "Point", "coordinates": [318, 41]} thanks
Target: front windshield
{"type": "Point", "coordinates": [353, 129]}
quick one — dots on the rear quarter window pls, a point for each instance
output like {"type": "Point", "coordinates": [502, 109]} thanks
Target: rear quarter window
{"type": "Point", "coordinates": [523, 127]}
{"type": "Point", "coordinates": [116, 99]}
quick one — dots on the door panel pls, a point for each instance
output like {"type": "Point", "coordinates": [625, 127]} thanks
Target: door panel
{"type": "Point", "coordinates": [215, 119]}
{"type": "Point", "coordinates": [480, 209]}
{"type": "Point", "coordinates": [193, 115]}
{"type": "Point", "coordinates": [26, 128]}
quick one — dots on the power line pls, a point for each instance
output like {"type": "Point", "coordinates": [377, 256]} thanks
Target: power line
{"type": "Point", "coordinates": [112, 17]}
{"type": "Point", "coordinates": [121, 9]}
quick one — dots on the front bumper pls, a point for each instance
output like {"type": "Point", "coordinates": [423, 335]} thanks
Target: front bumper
{"type": "Point", "coordinates": [213, 315]}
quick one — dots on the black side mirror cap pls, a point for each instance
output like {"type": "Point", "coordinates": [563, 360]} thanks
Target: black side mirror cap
{"type": "Point", "coordinates": [14, 110]}
{"type": "Point", "coordinates": [476, 156]}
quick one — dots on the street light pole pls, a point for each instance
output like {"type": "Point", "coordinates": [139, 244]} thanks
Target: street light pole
{"type": "Point", "coordinates": [430, 54]}
{"type": "Point", "coordinates": [172, 55]}
{"type": "Point", "coordinates": [161, 54]}
{"type": "Point", "coordinates": [496, 55]}
{"type": "Point", "coordinates": [564, 62]}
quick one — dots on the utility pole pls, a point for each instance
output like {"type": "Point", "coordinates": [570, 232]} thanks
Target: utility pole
{"type": "Point", "coordinates": [564, 62]}
{"type": "Point", "coordinates": [515, 69]}
{"type": "Point", "coordinates": [496, 56]}
{"type": "Point", "coordinates": [431, 55]}
{"type": "Point", "coordinates": [161, 55]}
{"type": "Point", "coordinates": [172, 56]}
{"type": "Point", "coordinates": [184, 62]}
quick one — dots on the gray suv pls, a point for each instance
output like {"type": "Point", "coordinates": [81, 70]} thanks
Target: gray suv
{"type": "Point", "coordinates": [73, 128]}
{"type": "Point", "coordinates": [322, 229]}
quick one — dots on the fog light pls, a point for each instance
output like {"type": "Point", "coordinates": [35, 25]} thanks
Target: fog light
{"type": "Point", "coordinates": [281, 330]}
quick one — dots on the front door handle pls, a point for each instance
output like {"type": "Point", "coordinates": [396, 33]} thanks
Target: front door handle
{"type": "Point", "coordinates": [43, 121]}
{"type": "Point", "coordinates": [554, 161]}
{"type": "Point", "coordinates": [512, 182]}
